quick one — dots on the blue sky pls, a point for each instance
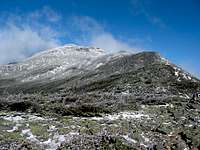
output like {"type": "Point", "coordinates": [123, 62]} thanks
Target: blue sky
{"type": "Point", "coordinates": [171, 27]}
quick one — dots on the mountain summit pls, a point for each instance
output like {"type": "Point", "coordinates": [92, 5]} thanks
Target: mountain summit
{"type": "Point", "coordinates": [98, 100]}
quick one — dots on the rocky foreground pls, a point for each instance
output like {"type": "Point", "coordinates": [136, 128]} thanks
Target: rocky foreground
{"type": "Point", "coordinates": [75, 97]}
{"type": "Point", "coordinates": [173, 125]}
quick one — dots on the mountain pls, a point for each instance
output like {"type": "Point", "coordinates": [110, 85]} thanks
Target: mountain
{"type": "Point", "coordinates": [65, 66]}
{"type": "Point", "coordinates": [104, 100]}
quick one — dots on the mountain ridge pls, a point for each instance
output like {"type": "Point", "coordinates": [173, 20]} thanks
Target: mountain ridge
{"type": "Point", "coordinates": [71, 60]}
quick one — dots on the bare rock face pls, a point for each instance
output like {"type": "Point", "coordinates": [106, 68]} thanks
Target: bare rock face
{"type": "Point", "coordinates": [75, 97]}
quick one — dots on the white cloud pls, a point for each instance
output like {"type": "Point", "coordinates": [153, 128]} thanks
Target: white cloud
{"type": "Point", "coordinates": [108, 42]}
{"type": "Point", "coordinates": [18, 43]}
{"type": "Point", "coordinates": [90, 32]}
{"type": "Point", "coordinates": [23, 35]}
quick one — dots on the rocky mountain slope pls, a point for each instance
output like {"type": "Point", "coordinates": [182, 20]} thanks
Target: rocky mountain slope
{"type": "Point", "coordinates": [97, 100]}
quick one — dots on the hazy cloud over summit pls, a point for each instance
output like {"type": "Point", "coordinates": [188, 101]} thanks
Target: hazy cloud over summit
{"type": "Point", "coordinates": [90, 32]}
{"type": "Point", "coordinates": [24, 34]}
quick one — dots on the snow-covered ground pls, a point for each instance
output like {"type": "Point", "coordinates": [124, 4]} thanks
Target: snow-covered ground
{"type": "Point", "coordinates": [53, 62]}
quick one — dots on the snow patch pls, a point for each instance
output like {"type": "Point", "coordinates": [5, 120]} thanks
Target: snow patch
{"type": "Point", "coordinates": [166, 123]}
{"type": "Point", "coordinates": [189, 125]}
{"type": "Point", "coordinates": [165, 106]}
{"type": "Point", "coordinates": [13, 118]}
{"type": "Point", "coordinates": [128, 139]}
{"type": "Point", "coordinates": [176, 73]}
{"type": "Point", "coordinates": [54, 143]}
{"type": "Point", "coordinates": [35, 118]}
{"type": "Point", "coordinates": [123, 116]}
{"type": "Point", "coordinates": [98, 65]}
{"type": "Point", "coordinates": [29, 135]}
{"type": "Point", "coordinates": [165, 61]}
{"type": "Point", "coordinates": [52, 128]}
{"type": "Point", "coordinates": [180, 73]}
{"type": "Point", "coordinates": [145, 138]}
{"type": "Point", "coordinates": [14, 128]}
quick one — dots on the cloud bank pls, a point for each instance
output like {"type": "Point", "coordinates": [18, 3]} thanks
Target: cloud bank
{"type": "Point", "coordinates": [108, 42]}
{"type": "Point", "coordinates": [90, 32]}
{"type": "Point", "coordinates": [18, 43]}
{"type": "Point", "coordinates": [22, 35]}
